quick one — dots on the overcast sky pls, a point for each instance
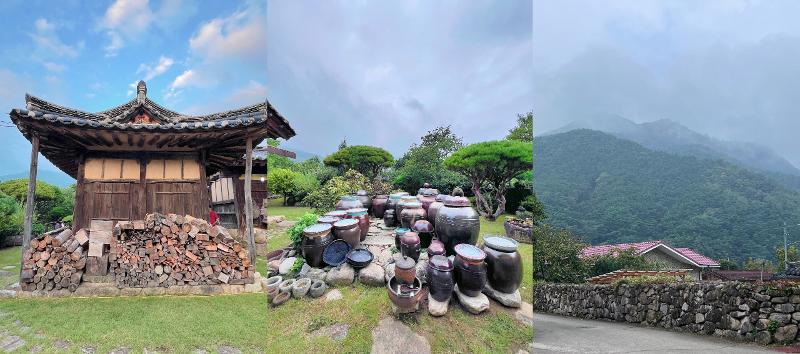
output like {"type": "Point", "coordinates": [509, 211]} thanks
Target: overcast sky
{"type": "Point", "coordinates": [726, 68]}
{"type": "Point", "coordinates": [383, 73]}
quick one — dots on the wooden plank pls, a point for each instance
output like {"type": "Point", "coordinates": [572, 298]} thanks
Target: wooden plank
{"type": "Point", "coordinates": [248, 197]}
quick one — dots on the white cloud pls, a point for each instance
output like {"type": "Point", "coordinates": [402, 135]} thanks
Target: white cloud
{"type": "Point", "coordinates": [48, 42]}
{"type": "Point", "coordinates": [42, 25]}
{"type": "Point", "coordinates": [54, 67]}
{"type": "Point", "coordinates": [129, 20]}
{"type": "Point", "coordinates": [187, 78]}
{"type": "Point", "coordinates": [253, 92]}
{"type": "Point", "coordinates": [242, 34]}
{"type": "Point", "coordinates": [151, 71]}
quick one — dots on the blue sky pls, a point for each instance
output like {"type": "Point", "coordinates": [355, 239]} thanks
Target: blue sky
{"type": "Point", "coordinates": [197, 57]}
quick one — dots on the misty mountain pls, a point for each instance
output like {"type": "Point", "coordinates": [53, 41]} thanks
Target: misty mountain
{"type": "Point", "coordinates": [610, 190]}
{"type": "Point", "coordinates": [670, 136]}
{"type": "Point", "coordinates": [56, 178]}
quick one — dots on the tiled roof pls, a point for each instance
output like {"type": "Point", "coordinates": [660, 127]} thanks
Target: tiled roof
{"type": "Point", "coordinates": [643, 247]}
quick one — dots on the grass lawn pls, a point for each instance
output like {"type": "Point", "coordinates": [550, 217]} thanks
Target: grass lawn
{"type": "Point", "coordinates": [177, 323]}
{"type": "Point", "coordinates": [362, 308]}
{"type": "Point", "coordinates": [9, 262]}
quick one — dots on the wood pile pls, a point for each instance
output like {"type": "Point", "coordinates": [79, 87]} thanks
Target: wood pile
{"type": "Point", "coordinates": [54, 261]}
{"type": "Point", "coordinates": [167, 250]}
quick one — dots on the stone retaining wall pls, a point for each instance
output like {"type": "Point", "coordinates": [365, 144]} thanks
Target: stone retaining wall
{"type": "Point", "coordinates": [764, 313]}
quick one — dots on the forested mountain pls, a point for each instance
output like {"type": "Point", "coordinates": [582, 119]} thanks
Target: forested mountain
{"type": "Point", "coordinates": [610, 190]}
{"type": "Point", "coordinates": [670, 136]}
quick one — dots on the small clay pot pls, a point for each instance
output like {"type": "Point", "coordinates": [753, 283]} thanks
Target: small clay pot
{"type": "Point", "coordinates": [436, 248]}
{"type": "Point", "coordinates": [360, 214]}
{"type": "Point", "coordinates": [405, 270]}
{"type": "Point", "coordinates": [399, 232]}
{"type": "Point", "coordinates": [317, 288]}
{"type": "Point", "coordinates": [272, 293]}
{"type": "Point", "coordinates": [405, 296]}
{"type": "Point", "coordinates": [379, 205]}
{"type": "Point", "coordinates": [425, 231]}
{"type": "Point", "coordinates": [274, 282]}
{"type": "Point", "coordinates": [280, 299]}
{"type": "Point", "coordinates": [409, 245]}
{"type": "Point", "coordinates": [388, 218]}
{"type": "Point", "coordinates": [300, 287]}
{"type": "Point", "coordinates": [286, 285]}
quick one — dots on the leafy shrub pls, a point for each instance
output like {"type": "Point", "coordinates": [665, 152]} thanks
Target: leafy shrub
{"type": "Point", "coordinates": [324, 198]}
{"type": "Point", "coordinates": [12, 215]}
{"type": "Point", "coordinates": [282, 181]}
{"type": "Point", "coordinates": [296, 232]}
{"type": "Point", "coordinates": [557, 256]}
{"type": "Point", "coordinates": [619, 259]}
{"type": "Point", "coordinates": [304, 184]}
{"type": "Point", "coordinates": [654, 279]}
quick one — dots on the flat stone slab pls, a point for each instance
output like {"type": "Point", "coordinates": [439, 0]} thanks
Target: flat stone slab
{"type": "Point", "coordinates": [333, 295]}
{"type": "Point", "coordinates": [392, 336]}
{"type": "Point", "coordinates": [9, 343]}
{"type": "Point", "coordinates": [508, 300]}
{"type": "Point", "coordinates": [336, 332]}
{"type": "Point", "coordinates": [525, 313]}
{"type": "Point", "coordinates": [382, 240]}
{"type": "Point", "coordinates": [437, 308]}
{"type": "Point", "coordinates": [473, 304]}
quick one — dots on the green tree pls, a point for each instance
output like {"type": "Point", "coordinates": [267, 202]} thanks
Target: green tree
{"type": "Point", "coordinates": [728, 264]}
{"type": "Point", "coordinates": [12, 215]}
{"type": "Point", "coordinates": [316, 168]}
{"type": "Point", "coordinates": [343, 144]}
{"type": "Point", "coordinates": [323, 199]}
{"type": "Point", "coordinates": [367, 160]}
{"type": "Point", "coordinates": [277, 161]}
{"type": "Point", "coordinates": [524, 129]}
{"type": "Point", "coordinates": [793, 255]}
{"type": "Point", "coordinates": [494, 164]}
{"type": "Point", "coordinates": [620, 259]}
{"type": "Point", "coordinates": [46, 197]}
{"type": "Point", "coordinates": [424, 163]}
{"type": "Point", "coordinates": [557, 256]}
{"type": "Point", "coordinates": [759, 264]}
{"type": "Point", "coordinates": [282, 181]}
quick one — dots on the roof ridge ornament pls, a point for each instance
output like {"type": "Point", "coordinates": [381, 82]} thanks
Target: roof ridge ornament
{"type": "Point", "coordinates": [141, 91]}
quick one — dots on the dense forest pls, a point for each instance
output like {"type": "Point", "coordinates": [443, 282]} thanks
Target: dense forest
{"type": "Point", "coordinates": [610, 190]}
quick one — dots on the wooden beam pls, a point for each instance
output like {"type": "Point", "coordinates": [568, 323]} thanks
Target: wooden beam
{"type": "Point", "coordinates": [248, 199]}
{"type": "Point", "coordinates": [29, 202]}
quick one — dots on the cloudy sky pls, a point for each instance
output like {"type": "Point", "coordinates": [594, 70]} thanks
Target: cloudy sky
{"type": "Point", "coordinates": [726, 68]}
{"type": "Point", "coordinates": [384, 73]}
{"type": "Point", "coordinates": [89, 55]}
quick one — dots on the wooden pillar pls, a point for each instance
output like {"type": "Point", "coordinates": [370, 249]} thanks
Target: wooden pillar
{"type": "Point", "coordinates": [31, 200]}
{"type": "Point", "coordinates": [78, 209]}
{"type": "Point", "coordinates": [248, 199]}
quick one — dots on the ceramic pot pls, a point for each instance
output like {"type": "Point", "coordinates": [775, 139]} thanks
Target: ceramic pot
{"type": "Point", "coordinates": [379, 205]}
{"type": "Point", "coordinates": [427, 198]}
{"type": "Point", "coordinates": [360, 214]}
{"type": "Point", "coordinates": [341, 214]}
{"type": "Point", "coordinates": [409, 245]}
{"type": "Point", "coordinates": [348, 202]}
{"type": "Point", "coordinates": [433, 209]}
{"type": "Point", "coordinates": [348, 230]}
{"type": "Point", "coordinates": [503, 263]}
{"type": "Point", "coordinates": [388, 218]}
{"type": "Point", "coordinates": [391, 203]}
{"type": "Point", "coordinates": [456, 223]}
{"type": "Point", "coordinates": [405, 270]}
{"type": "Point", "coordinates": [412, 211]}
{"type": "Point", "coordinates": [365, 199]}
{"type": "Point", "coordinates": [405, 297]}
{"type": "Point", "coordinates": [440, 278]}
{"type": "Point", "coordinates": [315, 238]}
{"type": "Point", "coordinates": [470, 269]}
{"type": "Point", "coordinates": [425, 231]}
{"type": "Point", "coordinates": [326, 219]}
{"type": "Point", "coordinates": [401, 204]}
{"type": "Point", "coordinates": [398, 233]}
{"type": "Point", "coordinates": [436, 248]}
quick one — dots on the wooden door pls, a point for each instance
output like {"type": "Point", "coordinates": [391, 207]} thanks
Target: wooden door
{"type": "Point", "coordinates": [174, 197]}
{"type": "Point", "coordinates": [108, 200]}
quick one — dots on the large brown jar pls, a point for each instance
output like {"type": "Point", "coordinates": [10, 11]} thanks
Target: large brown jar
{"type": "Point", "coordinates": [348, 230]}
{"type": "Point", "coordinates": [456, 223]}
{"type": "Point", "coordinates": [360, 214]}
{"type": "Point", "coordinates": [425, 231]}
{"type": "Point", "coordinates": [389, 219]}
{"type": "Point", "coordinates": [440, 278]}
{"type": "Point", "coordinates": [412, 211]}
{"type": "Point", "coordinates": [436, 248]}
{"type": "Point", "coordinates": [348, 202]}
{"type": "Point", "coordinates": [365, 199]}
{"type": "Point", "coordinates": [391, 203]}
{"type": "Point", "coordinates": [398, 209]}
{"type": "Point", "coordinates": [341, 214]}
{"type": "Point", "coordinates": [433, 209]}
{"type": "Point", "coordinates": [427, 198]}
{"type": "Point", "coordinates": [409, 245]}
{"type": "Point", "coordinates": [315, 238]}
{"type": "Point", "coordinates": [503, 263]}
{"type": "Point", "coordinates": [398, 233]}
{"type": "Point", "coordinates": [470, 269]}
{"type": "Point", "coordinates": [379, 205]}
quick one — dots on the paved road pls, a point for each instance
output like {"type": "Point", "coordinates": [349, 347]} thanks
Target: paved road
{"type": "Point", "coordinates": [558, 334]}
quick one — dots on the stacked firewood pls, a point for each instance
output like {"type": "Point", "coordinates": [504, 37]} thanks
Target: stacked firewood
{"type": "Point", "coordinates": [168, 250]}
{"type": "Point", "coordinates": [54, 261]}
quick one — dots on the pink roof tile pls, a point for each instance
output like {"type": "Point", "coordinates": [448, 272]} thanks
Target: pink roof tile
{"type": "Point", "coordinates": [697, 257]}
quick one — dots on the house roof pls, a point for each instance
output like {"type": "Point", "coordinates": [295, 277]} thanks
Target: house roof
{"type": "Point", "coordinates": [688, 255]}
{"type": "Point", "coordinates": [611, 277]}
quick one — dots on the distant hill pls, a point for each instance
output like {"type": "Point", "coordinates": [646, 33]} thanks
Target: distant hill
{"type": "Point", "coordinates": [303, 155]}
{"type": "Point", "coordinates": [57, 178]}
{"type": "Point", "coordinates": [612, 190]}
{"type": "Point", "coordinates": [670, 136]}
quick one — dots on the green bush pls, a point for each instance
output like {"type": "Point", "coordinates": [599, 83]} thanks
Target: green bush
{"type": "Point", "coordinates": [557, 256]}
{"type": "Point", "coordinates": [282, 181]}
{"type": "Point", "coordinates": [367, 160]}
{"type": "Point", "coordinates": [12, 215]}
{"type": "Point", "coordinates": [654, 279]}
{"type": "Point", "coordinates": [296, 232]}
{"type": "Point", "coordinates": [324, 198]}
{"type": "Point", "coordinates": [620, 259]}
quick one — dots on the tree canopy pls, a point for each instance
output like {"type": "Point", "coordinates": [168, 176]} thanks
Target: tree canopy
{"type": "Point", "coordinates": [524, 129]}
{"type": "Point", "coordinates": [424, 162]}
{"type": "Point", "coordinates": [368, 160]}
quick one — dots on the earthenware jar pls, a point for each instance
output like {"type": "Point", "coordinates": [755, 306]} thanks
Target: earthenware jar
{"type": "Point", "coordinates": [391, 202]}
{"type": "Point", "coordinates": [341, 214]}
{"type": "Point", "coordinates": [315, 238]}
{"type": "Point", "coordinates": [470, 269]}
{"type": "Point", "coordinates": [426, 198]}
{"type": "Point", "coordinates": [327, 219]}
{"type": "Point", "coordinates": [379, 205]}
{"type": "Point", "coordinates": [388, 218]}
{"type": "Point", "coordinates": [348, 202]}
{"type": "Point", "coordinates": [365, 199]}
{"type": "Point", "coordinates": [425, 231]}
{"type": "Point", "coordinates": [399, 232]}
{"type": "Point", "coordinates": [433, 209]}
{"type": "Point", "coordinates": [348, 230]}
{"type": "Point", "coordinates": [503, 263]}
{"type": "Point", "coordinates": [440, 278]}
{"type": "Point", "coordinates": [409, 245]}
{"type": "Point", "coordinates": [456, 223]}
{"type": "Point", "coordinates": [405, 296]}
{"type": "Point", "coordinates": [424, 187]}
{"type": "Point", "coordinates": [360, 214]}
{"type": "Point", "coordinates": [412, 211]}
{"type": "Point", "coordinates": [436, 248]}
{"type": "Point", "coordinates": [405, 270]}
{"type": "Point", "coordinates": [398, 209]}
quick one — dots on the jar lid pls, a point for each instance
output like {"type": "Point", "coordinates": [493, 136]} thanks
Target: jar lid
{"type": "Point", "coordinates": [408, 198]}
{"type": "Point", "coordinates": [327, 219]}
{"type": "Point", "coordinates": [440, 262]}
{"type": "Point", "coordinates": [410, 238]}
{"type": "Point", "coordinates": [405, 263]}
{"type": "Point", "coordinates": [356, 211]}
{"type": "Point", "coordinates": [500, 243]}
{"type": "Point", "coordinates": [457, 202]}
{"type": "Point", "coordinates": [317, 228]}
{"type": "Point", "coordinates": [337, 213]}
{"type": "Point", "coordinates": [469, 252]}
{"type": "Point", "coordinates": [429, 192]}
{"type": "Point", "coordinates": [349, 197]}
{"type": "Point", "coordinates": [345, 223]}
{"type": "Point", "coordinates": [422, 226]}
{"type": "Point", "coordinates": [395, 196]}
{"type": "Point", "coordinates": [400, 231]}
{"type": "Point", "coordinates": [403, 193]}
{"type": "Point", "coordinates": [436, 247]}
{"type": "Point", "coordinates": [361, 192]}
{"type": "Point", "coordinates": [441, 197]}
{"type": "Point", "coordinates": [413, 205]}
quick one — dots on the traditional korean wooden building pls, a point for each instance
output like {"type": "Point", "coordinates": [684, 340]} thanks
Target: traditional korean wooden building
{"type": "Point", "coordinates": [140, 157]}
